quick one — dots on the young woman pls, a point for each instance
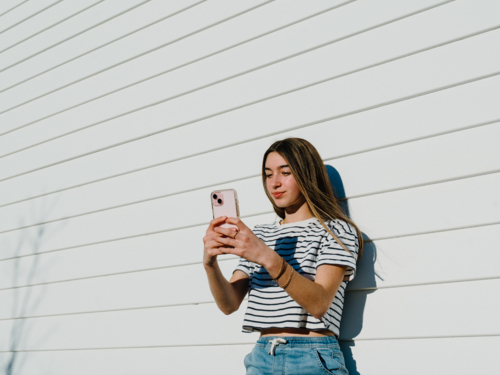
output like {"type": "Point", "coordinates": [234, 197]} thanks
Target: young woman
{"type": "Point", "coordinates": [295, 270]}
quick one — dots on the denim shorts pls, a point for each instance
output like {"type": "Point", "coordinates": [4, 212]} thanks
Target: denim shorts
{"type": "Point", "coordinates": [278, 355]}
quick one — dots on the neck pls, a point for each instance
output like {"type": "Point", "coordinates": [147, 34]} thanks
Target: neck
{"type": "Point", "coordinates": [295, 214]}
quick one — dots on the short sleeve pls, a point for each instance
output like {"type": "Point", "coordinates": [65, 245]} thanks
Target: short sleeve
{"type": "Point", "coordinates": [246, 267]}
{"type": "Point", "coordinates": [331, 252]}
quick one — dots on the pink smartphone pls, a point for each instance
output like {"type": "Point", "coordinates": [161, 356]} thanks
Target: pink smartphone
{"type": "Point", "coordinates": [225, 203]}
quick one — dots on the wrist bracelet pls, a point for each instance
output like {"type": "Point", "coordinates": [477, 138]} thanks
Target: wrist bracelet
{"type": "Point", "coordinates": [281, 270]}
{"type": "Point", "coordinates": [289, 279]}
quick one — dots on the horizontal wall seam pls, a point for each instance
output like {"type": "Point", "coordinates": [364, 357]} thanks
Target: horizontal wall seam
{"type": "Point", "coordinates": [135, 57]}
{"type": "Point", "coordinates": [438, 282]}
{"type": "Point", "coordinates": [131, 58]}
{"type": "Point", "coordinates": [349, 290]}
{"type": "Point", "coordinates": [408, 187]}
{"type": "Point", "coordinates": [218, 113]}
{"type": "Point", "coordinates": [216, 53]}
{"type": "Point", "coordinates": [14, 7]}
{"type": "Point", "coordinates": [164, 72]}
{"type": "Point", "coordinates": [128, 237]}
{"type": "Point", "coordinates": [260, 213]}
{"type": "Point", "coordinates": [94, 49]}
{"type": "Point", "coordinates": [250, 343]}
{"type": "Point", "coordinates": [113, 310]}
{"type": "Point", "coordinates": [128, 347]}
{"type": "Point", "coordinates": [33, 15]}
{"type": "Point", "coordinates": [225, 259]}
{"type": "Point", "coordinates": [456, 84]}
{"type": "Point", "coordinates": [423, 337]}
{"type": "Point", "coordinates": [389, 145]}
{"type": "Point", "coordinates": [74, 36]}
{"type": "Point", "coordinates": [51, 26]}
{"type": "Point", "coordinates": [436, 182]}
{"type": "Point", "coordinates": [118, 273]}
{"type": "Point", "coordinates": [236, 75]}
{"type": "Point", "coordinates": [213, 302]}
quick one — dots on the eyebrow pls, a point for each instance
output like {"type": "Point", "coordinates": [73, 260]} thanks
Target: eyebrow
{"type": "Point", "coordinates": [281, 166]}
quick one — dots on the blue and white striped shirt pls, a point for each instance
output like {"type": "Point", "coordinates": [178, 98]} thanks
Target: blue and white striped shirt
{"type": "Point", "coordinates": [305, 245]}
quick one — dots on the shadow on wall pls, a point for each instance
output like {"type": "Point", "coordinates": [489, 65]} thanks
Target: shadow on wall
{"type": "Point", "coordinates": [24, 270]}
{"type": "Point", "coordinates": [357, 290]}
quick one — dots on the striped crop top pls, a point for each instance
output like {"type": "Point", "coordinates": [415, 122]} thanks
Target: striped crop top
{"type": "Point", "coordinates": [305, 245]}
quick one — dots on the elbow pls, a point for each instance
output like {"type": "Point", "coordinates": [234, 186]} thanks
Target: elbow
{"type": "Point", "coordinates": [320, 312]}
{"type": "Point", "coordinates": [319, 316]}
{"type": "Point", "coordinates": [228, 310]}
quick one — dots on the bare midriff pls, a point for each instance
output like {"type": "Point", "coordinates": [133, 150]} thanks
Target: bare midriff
{"type": "Point", "coordinates": [295, 332]}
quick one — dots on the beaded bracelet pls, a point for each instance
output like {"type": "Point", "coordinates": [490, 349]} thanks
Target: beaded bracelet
{"type": "Point", "coordinates": [289, 279]}
{"type": "Point", "coordinates": [281, 270]}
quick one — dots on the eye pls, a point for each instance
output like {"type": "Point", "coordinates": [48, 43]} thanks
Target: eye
{"type": "Point", "coordinates": [268, 175]}
{"type": "Point", "coordinates": [285, 173]}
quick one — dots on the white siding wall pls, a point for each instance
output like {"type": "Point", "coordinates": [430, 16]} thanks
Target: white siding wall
{"type": "Point", "coordinates": [113, 114]}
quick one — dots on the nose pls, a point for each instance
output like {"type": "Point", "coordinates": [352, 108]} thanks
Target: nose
{"type": "Point", "coordinates": [275, 181]}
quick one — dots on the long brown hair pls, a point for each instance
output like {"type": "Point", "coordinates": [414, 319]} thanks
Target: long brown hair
{"type": "Point", "coordinates": [311, 177]}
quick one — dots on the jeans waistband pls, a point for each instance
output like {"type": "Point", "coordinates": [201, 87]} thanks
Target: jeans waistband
{"type": "Point", "coordinates": [296, 341]}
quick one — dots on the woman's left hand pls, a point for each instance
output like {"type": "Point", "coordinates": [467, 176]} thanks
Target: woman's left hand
{"type": "Point", "coordinates": [244, 244]}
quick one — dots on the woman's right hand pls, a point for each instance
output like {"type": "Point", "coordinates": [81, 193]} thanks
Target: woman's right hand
{"type": "Point", "coordinates": [211, 249]}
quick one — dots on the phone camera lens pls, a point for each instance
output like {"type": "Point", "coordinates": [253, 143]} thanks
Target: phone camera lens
{"type": "Point", "coordinates": [215, 196]}
{"type": "Point", "coordinates": [219, 201]}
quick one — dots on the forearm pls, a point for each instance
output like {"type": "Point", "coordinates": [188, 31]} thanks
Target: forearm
{"type": "Point", "coordinates": [225, 293]}
{"type": "Point", "coordinates": [310, 295]}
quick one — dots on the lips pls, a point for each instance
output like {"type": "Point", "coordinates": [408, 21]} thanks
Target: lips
{"type": "Point", "coordinates": [278, 194]}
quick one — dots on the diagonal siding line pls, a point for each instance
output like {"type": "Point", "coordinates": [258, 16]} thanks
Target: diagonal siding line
{"type": "Point", "coordinates": [247, 216]}
{"type": "Point", "coordinates": [33, 15]}
{"type": "Point", "coordinates": [129, 59]}
{"type": "Point", "coordinates": [51, 26]}
{"type": "Point", "coordinates": [113, 310]}
{"type": "Point", "coordinates": [413, 186]}
{"type": "Point", "coordinates": [453, 281]}
{"type": "Point", "coordinates": [389, 145]}
{"type": "Point", "coordinates": [259, 101]}
{"type": "Point", "coordinates": [250, 344]}
{"type": "Point", "coordinates": [159, 74]}
{"type": "Point", "coordinates": [204, 223]}
{"type": "Point", "coordinates": [167, 71]}
{"type": "Point", "coordinates": [421, 337]}
{"type": "Point", "coordinates": [116, 273]}
{"type": "Point", "coordinates": [256, 175]}
{"type": "Point", "coordinates": [195, 303]}
{"type": "Point", "coordinates": [247, 105]}
{"type": "Point", "coordinates": [75, 35]}
{"type": "Point", "coordinates": [14, 7]}
{"type": "Point", "coordinates": [130, 347]}
{"type": "Point", "coordinates": [227, 259]}
{"type": "Point", "coordinates": [124, 61]}
{"type": "Point", "coordinates": [227, 78]}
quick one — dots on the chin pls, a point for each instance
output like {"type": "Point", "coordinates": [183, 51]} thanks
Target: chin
{"type": "Point", "coordinates": [281, 204]}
